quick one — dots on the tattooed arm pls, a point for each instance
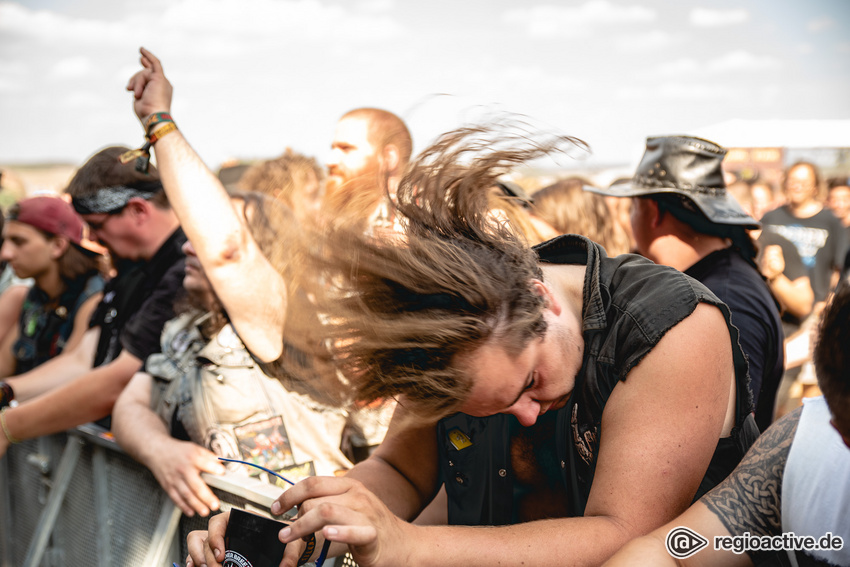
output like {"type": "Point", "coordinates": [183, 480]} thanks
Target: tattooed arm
{"type": "Point", "coordinates": [749, 500]}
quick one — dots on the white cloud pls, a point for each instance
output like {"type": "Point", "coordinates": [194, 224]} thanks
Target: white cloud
{"type": "Point", "coordinates": [681, 66]}
{"type": "Point", "coordinates": [770, 94]}
{"type": "Point", "coordinates": [521, 78]}
{"type": "Point", "coordinates": [738, 60]}
{"type": "Point", "coordinates": [706, 18]}
{"type": "Point", "coordinates": [83, 99]}
{"type": "Point", "coordinates": [40, 25]}
{"type": "Point", "coordinates": [631, 92]}
{"type": "Point", "coordinates": [12, 67]}
{"type": "Point", "coordinates": [741, 60]}
{"type": "Point", "coordinates": [649, 41]}
{"type": "Point", "coordinates": [212, 26]}
{"type": "Point", "coordinates": [820, 24]}
{"type": "Point", "coordinates": [691, 91]}
{"type": "Point", "coordinates": [10, 85]}
{"type": "Point", "coordinates": [293, 66]}
{"type": "Point", "coordinates": [13, 73]}
{"type": "Point", "coordinates": [122, 73]}
{"type": "Point", "coordinates": [549, 20]}
{"type": "Point", "coordinates": [805, 48]}
{"type": "Point", "coordinates": [72, 67]}
{"type": "Point", "coordinates": [376, 6]}
{"type": "Point", "coordinates": [281, 21]}
{"type": "Point", "coordinates": [675, 91]}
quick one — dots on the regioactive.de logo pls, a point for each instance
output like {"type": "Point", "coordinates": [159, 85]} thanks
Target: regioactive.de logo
{"type": "Point", "coordinates": [683, 542]}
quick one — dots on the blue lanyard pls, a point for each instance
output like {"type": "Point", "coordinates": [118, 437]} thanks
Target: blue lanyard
{"type": "Point", "coordinates": [325, 546]}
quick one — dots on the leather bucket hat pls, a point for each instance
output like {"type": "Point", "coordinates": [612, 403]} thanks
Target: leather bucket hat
{"type": "Point", "coordinates": [689, 167]}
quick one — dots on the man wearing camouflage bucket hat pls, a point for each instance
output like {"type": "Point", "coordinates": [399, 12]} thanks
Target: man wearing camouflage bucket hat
{"type": "Point", "coordinates": [683, 217]}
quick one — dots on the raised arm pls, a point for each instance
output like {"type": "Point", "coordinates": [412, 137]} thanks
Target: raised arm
{"type": "Point", "coordinates": [250, 288]}
{"type": "Point", "coordinates": [177, 465]}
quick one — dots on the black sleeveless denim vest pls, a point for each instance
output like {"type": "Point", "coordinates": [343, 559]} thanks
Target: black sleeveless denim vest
{"type": "Point", "coordinates": [629, 304]}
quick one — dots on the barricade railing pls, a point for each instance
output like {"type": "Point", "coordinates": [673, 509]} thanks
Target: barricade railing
{"type": "Point", "coordinates": [77, 500]}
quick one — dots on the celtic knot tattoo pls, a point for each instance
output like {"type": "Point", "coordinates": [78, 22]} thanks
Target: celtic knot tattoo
{"type": "Point", "coordinates": [750, 499]}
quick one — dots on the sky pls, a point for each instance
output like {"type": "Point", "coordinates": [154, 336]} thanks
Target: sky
{"type": "Point", "coordinates": [253, 77]}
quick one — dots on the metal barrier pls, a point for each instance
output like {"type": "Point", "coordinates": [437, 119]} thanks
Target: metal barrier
{"type": "Point", "coordinates": [77, 500]}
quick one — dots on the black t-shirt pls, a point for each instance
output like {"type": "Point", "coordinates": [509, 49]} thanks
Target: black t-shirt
{"type": "Point", "coordinates": [821, 240]}
{"type": "Point", "coordinates": [137, 303]}
{"type": "Point", "coordinates": [794, 269]}
{"type": "Point", "coordinates": [754, 312]}
{"type": "Point", "coordinates": [846, 270]}
{"type": "Point", "coordinates": [847, 265]}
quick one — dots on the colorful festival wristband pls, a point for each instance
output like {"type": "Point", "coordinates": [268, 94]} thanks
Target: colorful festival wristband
{"type": "Point", "coordinates": [162, 132]}
{"type": "Point", "coordinates": [156, 118]}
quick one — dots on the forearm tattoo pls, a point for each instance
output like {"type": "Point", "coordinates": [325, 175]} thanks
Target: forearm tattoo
{"type": "Point", "coordinates": [750, 499]}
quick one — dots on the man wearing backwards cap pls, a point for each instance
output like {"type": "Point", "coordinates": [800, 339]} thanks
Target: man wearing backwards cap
{"type": "Point", "coordinates": [130, 215]}
{"type": "Point", "coordinates": [683, 217]}
{"type": "Point", "coordinates": [44, 239]}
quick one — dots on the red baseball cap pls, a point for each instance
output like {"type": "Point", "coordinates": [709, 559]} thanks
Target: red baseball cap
{"type": "Point", "coordinates": [54, 216]}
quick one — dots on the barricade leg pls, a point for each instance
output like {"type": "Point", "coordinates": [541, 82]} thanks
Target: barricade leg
{"type": "Point", "coordinates": [5, 515]}
{"type": "Point", "coordinates": [101, 506]}
{"type": "Point", "coordinates": [162, 543]}
{"type": "Point", "coordinates": [51, 511]}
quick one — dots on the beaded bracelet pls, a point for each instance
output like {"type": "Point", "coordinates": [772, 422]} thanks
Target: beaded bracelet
{"type": "Point", "coordinates": [8, 435]}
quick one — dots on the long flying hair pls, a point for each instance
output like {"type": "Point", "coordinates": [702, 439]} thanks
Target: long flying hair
{"type": "Point", "coordinates": [397, 313]}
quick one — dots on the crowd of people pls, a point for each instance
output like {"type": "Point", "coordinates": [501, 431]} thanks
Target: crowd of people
{"type": "Point", "coordinates": [429, 348]}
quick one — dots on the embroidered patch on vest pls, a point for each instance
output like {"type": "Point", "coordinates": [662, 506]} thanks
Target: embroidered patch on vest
{"type": "Point", "coordinates": [459, 439]}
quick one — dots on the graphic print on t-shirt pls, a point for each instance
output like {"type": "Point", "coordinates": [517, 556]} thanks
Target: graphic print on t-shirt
{"type": "Point", "coordinates": [808, 240]}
